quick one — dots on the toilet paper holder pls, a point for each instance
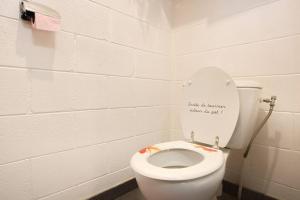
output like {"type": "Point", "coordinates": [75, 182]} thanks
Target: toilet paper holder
{"type": "Point", "coordinates": [28, 10]}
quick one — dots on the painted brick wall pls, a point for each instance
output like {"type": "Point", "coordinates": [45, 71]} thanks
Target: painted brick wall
{"type": "Point", "coordinates": [256, 40]}
{"type": "Point", "coordinates": [75, 105]}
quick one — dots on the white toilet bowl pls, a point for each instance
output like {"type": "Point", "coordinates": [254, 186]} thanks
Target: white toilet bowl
{"type": "Point", "coordinates": [179, 170]}
{"type": "Point", "coordinates": [210, 115]}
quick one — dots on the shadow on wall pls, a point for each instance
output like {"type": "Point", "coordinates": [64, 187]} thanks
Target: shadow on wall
{"type": "Point", "coordinates": [196, 11]}
{"type": "Point", "coordinates": [156, 12]}
{"type": "Point", "coordinates": [36, 47]}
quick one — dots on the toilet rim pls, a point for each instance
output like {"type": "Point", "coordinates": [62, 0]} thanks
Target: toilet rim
{"type": "Point", "coordinates": [213, 160]}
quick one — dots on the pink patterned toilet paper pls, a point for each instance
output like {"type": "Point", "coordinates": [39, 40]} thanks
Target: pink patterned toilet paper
{"type": "Point", "coordinates": [46, 23]}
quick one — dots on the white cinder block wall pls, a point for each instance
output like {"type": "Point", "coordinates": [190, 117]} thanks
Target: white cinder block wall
{"type": "Point", "coordinates": [76, 104]}
{"type": "Point", "coordinates": [256, 40]}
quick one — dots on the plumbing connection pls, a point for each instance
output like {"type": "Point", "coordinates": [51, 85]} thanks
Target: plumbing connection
{"type": "Point", "coordinates": [271, 103]}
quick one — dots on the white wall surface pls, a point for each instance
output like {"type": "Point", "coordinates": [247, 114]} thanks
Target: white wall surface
{"type": "Point", "coordinates": [76, 104]}
{"type": "Point", "coordinates": [256, 40]}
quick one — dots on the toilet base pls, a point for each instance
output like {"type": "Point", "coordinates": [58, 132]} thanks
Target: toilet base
{"type": "Point", "coordinates": [203, 188]}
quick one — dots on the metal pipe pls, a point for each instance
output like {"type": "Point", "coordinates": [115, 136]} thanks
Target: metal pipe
{"type": "Point", "coordinates": [241, 180]}
{"type": "Point", "coordinates": [256, 132]}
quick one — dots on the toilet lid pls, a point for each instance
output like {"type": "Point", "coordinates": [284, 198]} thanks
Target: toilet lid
{"type": "Point", "coordinates": [210, 107]}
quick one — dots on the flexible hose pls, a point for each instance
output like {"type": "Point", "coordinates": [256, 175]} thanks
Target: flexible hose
{"type": "Point", "coordinates": [241, 180]}
{"type": "Point", "coordinates": [256, 132]}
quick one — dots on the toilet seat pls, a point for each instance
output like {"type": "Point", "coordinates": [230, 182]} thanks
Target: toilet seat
{"type": "Point", "coordinates": [213, 160]}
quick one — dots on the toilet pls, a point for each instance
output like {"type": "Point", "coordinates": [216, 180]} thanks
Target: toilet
{"type": "Point", "coordinates": [218, 114]}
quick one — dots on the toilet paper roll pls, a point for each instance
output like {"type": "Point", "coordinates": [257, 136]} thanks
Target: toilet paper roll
{"type": "Point", "coordinates": [45, 23]}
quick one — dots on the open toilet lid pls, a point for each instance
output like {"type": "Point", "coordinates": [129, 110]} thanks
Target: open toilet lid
{"type": "Point", "coordinates": [210, 107]}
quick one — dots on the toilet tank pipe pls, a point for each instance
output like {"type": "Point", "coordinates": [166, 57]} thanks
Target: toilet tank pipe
{"type": "Point", "coordinates": [261, 125]}
{"type": "Point", "coordinates": [256, 132]}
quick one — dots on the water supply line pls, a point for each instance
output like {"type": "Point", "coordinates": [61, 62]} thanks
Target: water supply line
{"type": "Point", "coordinates": [271, 102]}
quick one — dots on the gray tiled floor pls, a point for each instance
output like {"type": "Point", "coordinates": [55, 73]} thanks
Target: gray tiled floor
{"type": "Point", "coordinates": [133, 195]}
{"type": "Point", "coordinates": [136, 195]}
{"type": "Point", "coordinates": [227, 197]}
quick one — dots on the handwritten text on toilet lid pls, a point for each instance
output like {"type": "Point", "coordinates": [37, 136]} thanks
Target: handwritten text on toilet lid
{"type": "Point", "coordinates": [207, 108]}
